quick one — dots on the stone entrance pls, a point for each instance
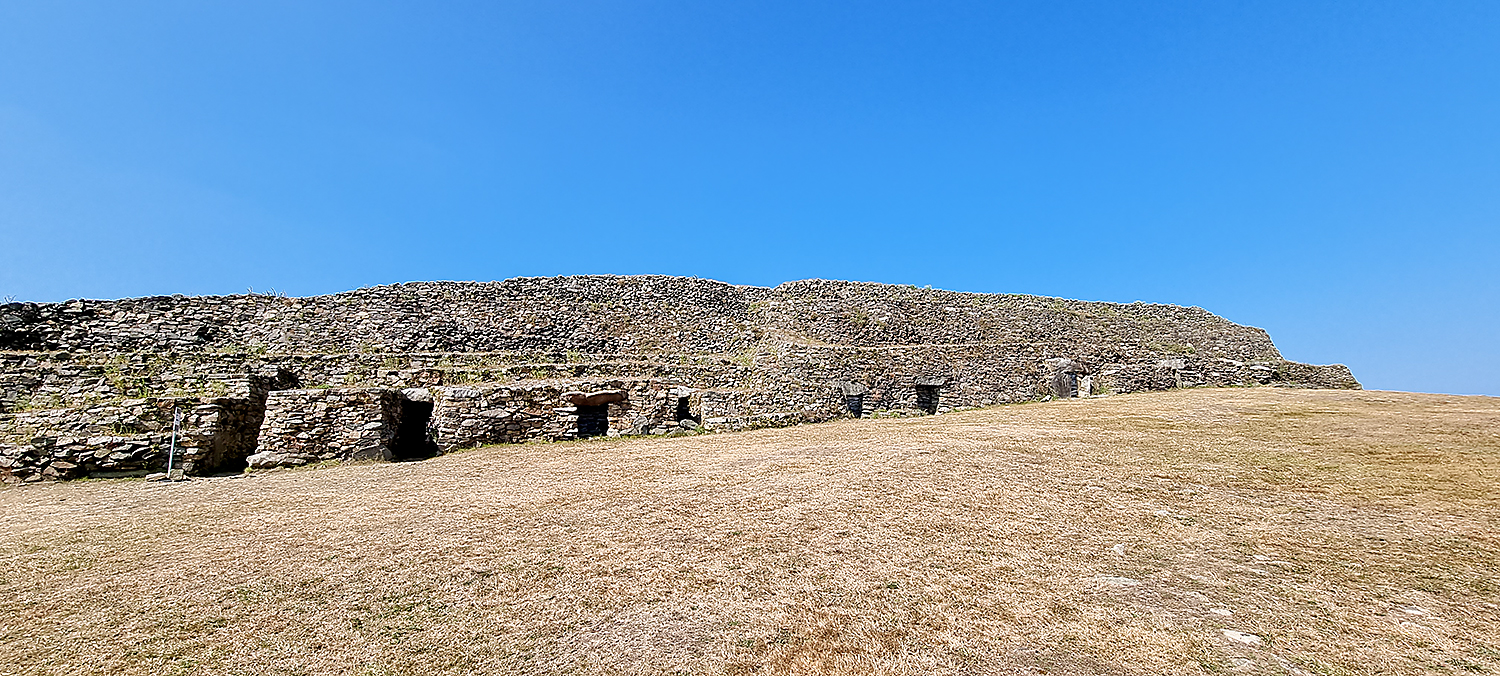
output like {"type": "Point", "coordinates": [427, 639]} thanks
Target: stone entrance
{"type": "Point", "coordinates": [1067, 378]}
{"type": "Point", "coordinates": [593, 421]}
{"type": "Point", "coordinates": [854, 397]}
{"type": "Point", "coordinates": [856, 404]}
{"type": "Point", "coordinates": [927, 398]}
{"type": "Point", "coordinates": [413, 441]}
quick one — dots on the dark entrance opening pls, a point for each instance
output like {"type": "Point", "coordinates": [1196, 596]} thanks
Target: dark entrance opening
{"type": "Point", "coordinates": [234, 440]}
{"type": "Point", "coordinates": [228, 464]}
{"type": "Point", "coordinates": [683, 411]}
{"type": "Point", "coordinates": [856, 404]}
{"type": "Point", "coordinates": [927, 398]}
{"type": "Point", "coordinates": [1065, 385]}
{"type": "Point", "coordinates": [413, 442]}
{"type": "Point", "coordinates": [593, 421]}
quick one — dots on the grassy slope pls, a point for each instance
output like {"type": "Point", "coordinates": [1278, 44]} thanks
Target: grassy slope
{"type": "Point", "coordinates": [1354, 532]}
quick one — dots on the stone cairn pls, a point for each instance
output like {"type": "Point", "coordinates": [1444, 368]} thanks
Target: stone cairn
{"type": "Point", "coordinates": [408, 371]}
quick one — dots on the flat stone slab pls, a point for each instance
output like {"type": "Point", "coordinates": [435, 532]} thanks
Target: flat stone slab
{"type": "Point", "coordinates": [594, 398]}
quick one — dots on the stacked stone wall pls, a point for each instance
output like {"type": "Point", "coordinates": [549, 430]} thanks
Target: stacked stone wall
{"type": "Point", "coordinates": [297, 380]}
{"type": "Point", "coordinates": [60, 379]}
{"type": "Point", "coordinates": [127, 438]}
{"type": "Point", "coordinates": [864, 314]}
{"type": "Point", "coordinates": [465, 416]}
{"type": "Point", "coordinates": [610, 316]}
{"type": "Point", "coordinates": [589, 314]}
{"type": "Point", "coordinates": [315, 425]}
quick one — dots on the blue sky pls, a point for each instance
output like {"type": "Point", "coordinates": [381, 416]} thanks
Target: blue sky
{"type": "Point", "coordinates": [1327, 171]}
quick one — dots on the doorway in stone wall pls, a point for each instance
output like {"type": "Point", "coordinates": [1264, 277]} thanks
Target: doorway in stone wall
{"type": "Point", "coordinates": [927, 398]}
{"type": "Point", "coordinates": [593, 421]}
{"type": "Point", "coordinates": [413, 441]}
{"type": "Point", "coordinates": [856, 404]}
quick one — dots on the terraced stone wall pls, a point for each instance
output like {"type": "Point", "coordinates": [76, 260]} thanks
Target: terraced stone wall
{"type": "Point", "coordinates": [585, 314]}
{"type": "Point", "coordinates": [497, 359]}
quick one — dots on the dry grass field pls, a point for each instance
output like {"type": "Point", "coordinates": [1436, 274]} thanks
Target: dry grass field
{"type": "Point", "coordinates": [1337, 532]}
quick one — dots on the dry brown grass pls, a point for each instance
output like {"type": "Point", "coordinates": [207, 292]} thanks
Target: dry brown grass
{"type": "Point", "coordinates": [1354, 532]}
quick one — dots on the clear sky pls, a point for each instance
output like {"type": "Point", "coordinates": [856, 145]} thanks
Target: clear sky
{"type": "Point", "coordinates": [1327, 171]}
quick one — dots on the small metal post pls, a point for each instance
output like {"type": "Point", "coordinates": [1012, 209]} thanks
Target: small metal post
{"type": "Point", "coordinates": [172, 449]}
